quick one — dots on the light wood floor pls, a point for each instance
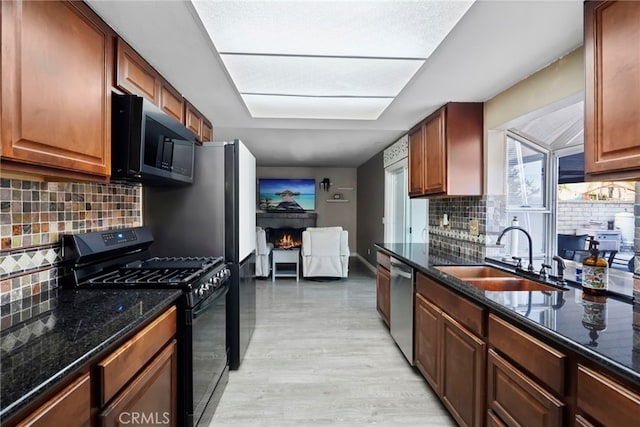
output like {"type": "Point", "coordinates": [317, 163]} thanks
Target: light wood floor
{"type": "Point", "coordinates": [320, 355]}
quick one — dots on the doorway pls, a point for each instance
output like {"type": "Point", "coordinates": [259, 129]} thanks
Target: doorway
{"type": "Point", "coordinates": [405, 219]}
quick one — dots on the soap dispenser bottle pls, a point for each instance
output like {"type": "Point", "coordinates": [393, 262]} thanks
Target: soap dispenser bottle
{"type": "Point", "coordinates": [595, 271]}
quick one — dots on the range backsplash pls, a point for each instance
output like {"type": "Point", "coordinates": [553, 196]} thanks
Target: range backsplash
{"type": "Point", "coordinates": [33, 216]}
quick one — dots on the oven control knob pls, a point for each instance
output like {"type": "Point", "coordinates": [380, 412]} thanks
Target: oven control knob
{"type": "Point", "coordinates": [216, 281]}
{"type": "Point", "coordinates": [199, 291]}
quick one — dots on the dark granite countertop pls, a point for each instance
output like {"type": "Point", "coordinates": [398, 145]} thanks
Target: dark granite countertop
{"type": "Point", "coordinates": [38, 353]}
{"type": "Point", "coordinates": [601, 331]}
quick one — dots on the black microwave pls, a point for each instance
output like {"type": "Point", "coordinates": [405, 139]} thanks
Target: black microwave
{"type": "Point", "coordinates": [148, 145]}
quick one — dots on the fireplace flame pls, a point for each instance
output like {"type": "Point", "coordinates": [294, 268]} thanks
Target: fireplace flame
{"type": "Point", "coordinates": [286, 242]}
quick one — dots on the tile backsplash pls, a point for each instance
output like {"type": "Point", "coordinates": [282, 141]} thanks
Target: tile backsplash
{"type": "Point", "coordinates": [455, 238]}
{"type": "Point", "coordinates": [34, 216]}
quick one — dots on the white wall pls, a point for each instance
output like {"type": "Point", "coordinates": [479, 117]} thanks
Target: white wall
{"type": "Point", "coordinates": [559, 83]}
{"type": "Point", "coordinates": [329, 213]}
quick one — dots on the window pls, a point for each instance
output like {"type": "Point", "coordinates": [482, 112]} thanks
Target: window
{"type": "Point", "coordinates": [528, 198]}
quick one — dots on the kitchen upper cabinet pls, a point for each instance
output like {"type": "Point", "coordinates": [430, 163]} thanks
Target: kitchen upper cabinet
{"type": "Point", "coordinates": [207, 130]}
{"type": "Point", "coordinates": [69, 407]}
{"type": "Point", "coordinates": [136, 76]}
{"type": "Point", "coordinates": [612, 110]}
{"type": "Point", "coordinates": [57, 66]}
{"type": "Point", "coordinates": [446, 152]}
{"type": "Point", "coordinates": [197, 123]}
{"type": "Point", "coordinates": [416, 161]}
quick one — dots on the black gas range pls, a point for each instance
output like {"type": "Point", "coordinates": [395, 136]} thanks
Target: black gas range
{"type": "Point", "coordinates": [121, 259]}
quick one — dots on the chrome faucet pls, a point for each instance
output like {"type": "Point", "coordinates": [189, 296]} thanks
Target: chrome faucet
{"type": "Point", "coordinates": [561, 267]}
{"type": "Point", "coordinates": [515, 227]}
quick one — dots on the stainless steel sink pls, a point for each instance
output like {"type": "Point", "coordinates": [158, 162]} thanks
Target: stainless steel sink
{"type": "Point", "coordinates": [492, 279]}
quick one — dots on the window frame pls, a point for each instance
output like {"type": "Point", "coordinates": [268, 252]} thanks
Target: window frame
{"type": "Point", "coordinates": [547, 211]}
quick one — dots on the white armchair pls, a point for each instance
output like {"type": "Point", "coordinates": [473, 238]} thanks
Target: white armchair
{"type": "Point", "coordinates": [263, 253]}
{"type": "Point", "coordinates": [325, 252]}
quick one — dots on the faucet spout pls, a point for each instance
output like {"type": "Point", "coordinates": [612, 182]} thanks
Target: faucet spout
{"type": "Point", "coordinates": [515, 227]}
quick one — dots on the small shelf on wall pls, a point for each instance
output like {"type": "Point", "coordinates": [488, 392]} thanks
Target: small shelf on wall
{"type": "Point", "coordinates": [345, 188]}
{"type": "Point", "coordinates": [337, 201]}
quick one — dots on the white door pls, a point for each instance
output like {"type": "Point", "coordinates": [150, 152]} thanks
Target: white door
{"type": "Point", "coordinates": [405, 219]}
{"type": "Point", "coordinates": [396, 197]}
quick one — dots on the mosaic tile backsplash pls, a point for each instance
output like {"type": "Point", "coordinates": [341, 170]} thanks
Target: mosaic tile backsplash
{"type": "Point", "coordinates": [455, 238]}
{"type": "Point", "coordinates": [33, 216]}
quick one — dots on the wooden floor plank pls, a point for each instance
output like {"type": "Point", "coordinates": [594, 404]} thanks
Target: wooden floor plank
{"type": "Point", "coordinates": [320, 355]}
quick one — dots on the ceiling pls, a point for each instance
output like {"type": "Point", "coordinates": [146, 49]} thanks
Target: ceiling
{"type": "Point", "coordinates": [494, 45]}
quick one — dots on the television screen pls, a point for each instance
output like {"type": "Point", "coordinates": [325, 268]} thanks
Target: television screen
{"type": "Point", "coordinates": [287, 195]}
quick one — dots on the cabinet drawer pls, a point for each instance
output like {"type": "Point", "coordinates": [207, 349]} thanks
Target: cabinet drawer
{"type": "Point", "coordinates": [516, 399]}
{"type": "Point", "coordinates": [384, 260]}
{"type": "Point", "coordinates": [542, 361]}
{"type": "Point", "coordinates": [117, 369]}
{"type": "Point", "coordinates": [72, 406]}
{"type": "Point", "coordinates": [458, 307]}
{"type": "Point", "coordinates": [152, 393]}
{"type": "Point", "coordinates": [606, 401]}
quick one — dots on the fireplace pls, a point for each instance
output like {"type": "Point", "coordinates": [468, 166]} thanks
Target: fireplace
{"type": "Point", "coordinates": [285, 238]}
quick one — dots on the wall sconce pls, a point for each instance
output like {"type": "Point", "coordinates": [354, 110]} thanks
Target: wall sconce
{"type": "Point", "coordinates": [325, 184]}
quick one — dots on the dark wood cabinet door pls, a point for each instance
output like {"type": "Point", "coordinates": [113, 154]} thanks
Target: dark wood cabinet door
{"type": "Point", "coordinates": [135, 76]}
{"type": "Point", "coordinates": [463, 357]}
{"type": "Point", "coordinates": [605, 401]}
{"type": "Point", "coordinates": [171, 102]}
{"type": "Point", "coordinates": [57, 67]}
{"type": "Point", "coordinates": [151, 397]}
{"type": "Point", "coordinates": [193, 120]}
{"type": "Point", "coordinates": [207, 131]}
{"type": "Point", "coordinates": [383, 291]}
{"type": "Point", "coordinates": [516, 399]}
{"type": "Point", "coordinates": [70, 407]}
{"type": "Point", "coordinates": [427, 341]}
{"type": "Point", "coordinates": [435, 154]}
{"type": "Point", "coordinates": [416, 162]}
{"type": "Point", "coordinates": [612, 110]}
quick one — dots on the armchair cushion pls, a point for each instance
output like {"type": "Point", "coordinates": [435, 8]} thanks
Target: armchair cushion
{"type": "Point", "coordinates": [325, 252]}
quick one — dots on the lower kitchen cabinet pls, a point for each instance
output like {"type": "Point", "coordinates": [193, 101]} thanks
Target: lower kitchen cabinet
{"type": "Point", "coordinates": [139, 379]}
{"type": "Point", "coordinates": [151, 397]}
{"type": "Point", "coordinates": [603, 401]}
{"type": "Point", "coordinates": [525, 377]}
{"type": "Point", "coordinates": [383, 293]}
{"type": "Point", "coordinates": [70, 407]}
{"type": "Point", "coordinates": [383, 287]}
{"type": "Point", "coordinates": [427, 341]}
{"type": "Point", "coordinates": [463, 370]}
{"type": "Point", "coordinates": [515, 399]}
{"type": "Point", "coordinates": [448, 353]}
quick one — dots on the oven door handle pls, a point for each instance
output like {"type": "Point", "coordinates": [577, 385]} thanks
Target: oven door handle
{"type": "Point", "coordinates": [204, 305]}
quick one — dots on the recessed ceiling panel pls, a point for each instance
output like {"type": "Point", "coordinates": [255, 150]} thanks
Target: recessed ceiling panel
{"type": "Point", "coordinates": [389, 29]}
{"type": "Point", "coordinates": [302, 107]}
{"type": "Point", "coordinates": [319, 76]}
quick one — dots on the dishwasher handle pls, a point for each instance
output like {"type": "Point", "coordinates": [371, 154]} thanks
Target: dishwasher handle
{"type": "Point", "coordinates": [401, 269]}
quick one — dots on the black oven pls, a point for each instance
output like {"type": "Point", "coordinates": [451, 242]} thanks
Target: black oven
{"type": "Point", "coordinates": [207, 368]}
{"type": "Point", "coordinates": [119, 259]}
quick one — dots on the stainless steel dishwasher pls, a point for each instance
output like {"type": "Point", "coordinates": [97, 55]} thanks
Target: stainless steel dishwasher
{"type": "Point", "coordinates": [402, 300]}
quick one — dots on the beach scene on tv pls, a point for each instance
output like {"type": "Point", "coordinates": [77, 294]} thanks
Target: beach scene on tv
{"type": "Point", "coordinates": [287, 194]}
